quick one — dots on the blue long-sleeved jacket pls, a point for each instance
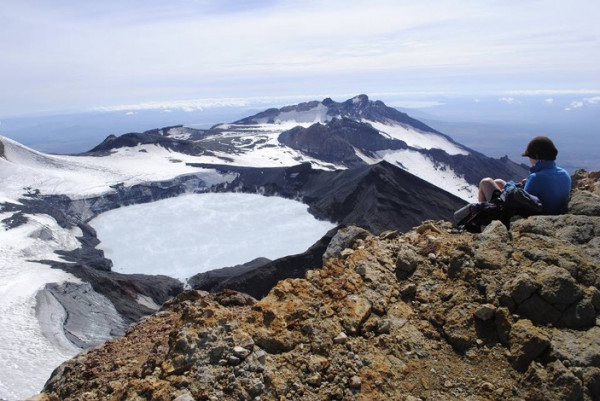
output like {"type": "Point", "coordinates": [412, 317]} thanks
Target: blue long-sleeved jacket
{"type": "Point", "coordinates": [551, 184]}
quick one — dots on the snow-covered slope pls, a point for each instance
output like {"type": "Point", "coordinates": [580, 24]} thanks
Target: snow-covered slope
{"type": "Point", "coordinates": [28, 351]}
{"type": "Point", "coordinates": [256, 141]}
{"type": "Point", "coordinates": [30, 348]}
{"type": "Point", "coordinates": [425, 167]}
{"type": "Point", "coordinates": [23, 169]}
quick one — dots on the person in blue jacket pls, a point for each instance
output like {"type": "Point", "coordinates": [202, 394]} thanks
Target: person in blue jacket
{"type": "Point", "coordinates": [550, 183]}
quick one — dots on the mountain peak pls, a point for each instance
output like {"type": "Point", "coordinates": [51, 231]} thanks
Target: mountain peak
{"type": "Point", "coordinates": [359, 99]}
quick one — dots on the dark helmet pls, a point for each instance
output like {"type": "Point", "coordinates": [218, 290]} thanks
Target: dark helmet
{"type": "Point", "coordinates": [541, 148]}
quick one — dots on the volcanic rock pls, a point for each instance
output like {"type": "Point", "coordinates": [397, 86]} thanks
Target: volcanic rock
{"type": "Point", "coordinates": [345, 331]}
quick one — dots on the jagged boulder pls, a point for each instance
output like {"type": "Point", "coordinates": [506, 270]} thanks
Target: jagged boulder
{"type": "Point", "coordinates": [555, 381]}
{"type": "Point", "coordinates": [583, 180]}
{"type": "Point", "coordinates": [585, 203]}
{"type": "Point", "coordinates": [527, 342]}
{"type": "Point", "coordinates": [343, 239]}
{"type": "Point", "coordinates": [585, 199]}
{"type": "Point", "coordinates": [559, 260]}
{"type": "Point", "coordinates": [493, 247]}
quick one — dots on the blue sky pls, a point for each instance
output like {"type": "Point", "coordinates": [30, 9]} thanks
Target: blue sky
{"type": "Point", "coordinates": [70, 55]}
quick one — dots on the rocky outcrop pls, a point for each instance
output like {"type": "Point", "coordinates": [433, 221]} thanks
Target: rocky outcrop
{"type": "Point", "coordinates": [585, 198]}
{"type": "Point", "coordinates": [336, 141]}
{"type": "Point", "coordinates": [375, 197]}
{"type": "Point", "coordinates": [153, 137]}
{"type": "Point", "coordinates": [586, 181]}
{"type": "Point", "coordinates": [560, 287]}
{"type": "Point", "coordinates": [258, 277]}
{"type": "Point", "coordinates": [508, 314]}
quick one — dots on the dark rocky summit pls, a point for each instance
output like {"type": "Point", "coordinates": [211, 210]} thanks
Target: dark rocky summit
{"type": "Point", "coordinates": [336, 141]}
{"type": "Point", "coordinates": [155, 137]}
{"type": "Point", "coordinates": [357, 108]}
{"type": "Point", "coordinates": [508, 314]}
{"type": "Point", "coordinates": [376, 197]}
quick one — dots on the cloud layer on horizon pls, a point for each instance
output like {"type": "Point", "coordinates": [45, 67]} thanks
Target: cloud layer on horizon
{"type": "Point", "coordinates": [68, 55]}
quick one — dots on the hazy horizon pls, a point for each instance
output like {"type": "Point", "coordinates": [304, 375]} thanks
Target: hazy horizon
{"type": "Point", "coordinates": [489, 74]}
{"type": "Point", "coordinates": [68, 56]}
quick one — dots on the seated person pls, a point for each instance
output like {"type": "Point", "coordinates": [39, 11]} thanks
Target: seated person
{"type": "Point", "coordinates": [550, 183]}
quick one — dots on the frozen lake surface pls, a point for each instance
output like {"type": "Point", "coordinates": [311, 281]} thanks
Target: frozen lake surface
{"type": "Point", "coordinates": [189, 234]}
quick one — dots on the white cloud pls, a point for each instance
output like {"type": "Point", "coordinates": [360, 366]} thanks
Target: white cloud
{"type": "Point", "coordinates": [135, 50]}
{"type": "Point", "coordinates": [537, 92]}
{"type": "Point", "coordinates": [190, 105]}
{"type": "Point", "coordinates": [593, 100]}
{"type": "Point", "coordinates": [168, 106]}
{"type": "Point", "coordinates": [549, 100]}
{"type": "Point", "coordinates": [577, 104]}
{"type": "Point", "coordinates": [509, 100]}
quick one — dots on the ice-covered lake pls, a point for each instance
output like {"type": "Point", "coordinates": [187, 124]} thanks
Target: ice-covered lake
{"type": "Point", "coordinates": [194, 233]}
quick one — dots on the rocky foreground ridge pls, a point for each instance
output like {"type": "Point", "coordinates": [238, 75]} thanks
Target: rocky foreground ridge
{"type": "Point", "coordinates": [508, 314]}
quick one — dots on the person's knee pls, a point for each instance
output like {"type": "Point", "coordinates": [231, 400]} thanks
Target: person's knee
{"type": "Point", "coordinates": [486, 182]}
{"type": "Point", "coordinates": [500, 183]}
{"type": "Point", "coordinates": [487, 188]}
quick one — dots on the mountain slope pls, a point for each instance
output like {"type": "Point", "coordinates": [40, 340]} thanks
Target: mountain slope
{"type": "Point", "coordinates": [330, 136]}
{"type": "Point", "coordinates": [506, 314]}
{"type": "Point", "coordinates": [377, 197]}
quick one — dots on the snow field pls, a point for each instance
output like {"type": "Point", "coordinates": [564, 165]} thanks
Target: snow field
{"type": "Point", "coordinates": [271, 153]}
{"type": "Point", "coordinates": [423, 167]}
{"type": "Point", "coordinates": [418, 139]}
{"type": "Point", "coordinates": [28, 356]}
{"type": "Point", "coordinates": [84, 176]}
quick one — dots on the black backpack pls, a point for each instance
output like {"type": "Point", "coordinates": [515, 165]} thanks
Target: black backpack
{"type": "Point", "coordinates": [504, 205]}
{"type": "Point", "coordinates": [475, 215]}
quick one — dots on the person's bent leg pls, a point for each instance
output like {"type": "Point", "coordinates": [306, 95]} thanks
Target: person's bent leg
{"type": "Point", "coordinates": [500, 183]}
{"type": "Point", "coordinates": [487, 186]}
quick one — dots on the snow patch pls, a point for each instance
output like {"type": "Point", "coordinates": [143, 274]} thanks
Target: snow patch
{"type": "Point", "coordinates": [262, 148]}
{"type": "Point", "coordinates": [147, 302]}
{"type": "Point", "coordinates": [417, 139]}
{"type": "Point", "coordinates": [423, 167]}
{"type": "Point", "coordinates": [29, 353]}
{"type": "Point", "coordinates": [85, 176]}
